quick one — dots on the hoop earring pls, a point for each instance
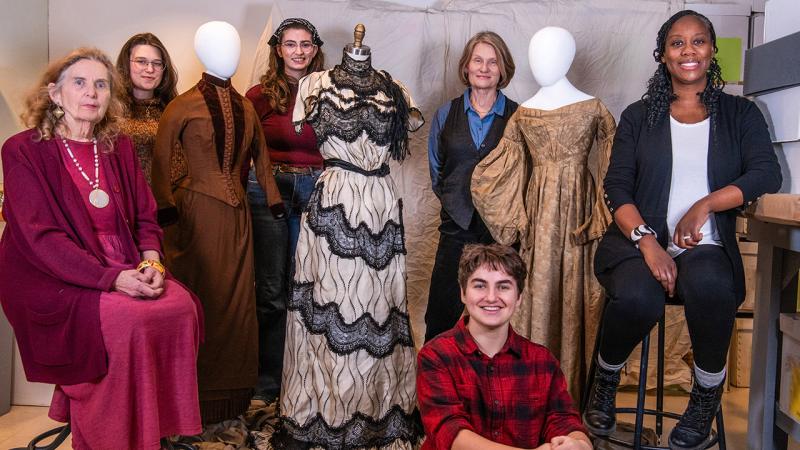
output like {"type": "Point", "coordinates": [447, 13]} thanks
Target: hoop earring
{"type": "Point", "coordinates": [58, 113]}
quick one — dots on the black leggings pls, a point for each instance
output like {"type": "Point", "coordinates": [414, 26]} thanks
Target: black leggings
{"type": "Point", "coordinates": [636, 303]}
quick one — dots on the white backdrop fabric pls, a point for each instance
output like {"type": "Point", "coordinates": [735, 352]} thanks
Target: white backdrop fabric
{"type": "Point", "coordinates": [421, 47]}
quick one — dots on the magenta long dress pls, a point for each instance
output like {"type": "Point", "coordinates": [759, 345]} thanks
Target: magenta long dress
{"type": "Point", "coordinates": [150, 390]}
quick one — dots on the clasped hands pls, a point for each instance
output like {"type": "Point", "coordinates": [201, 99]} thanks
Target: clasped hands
{"type": "Point", "coordinates": [687, 235]}
{"type": "Point", "coordinates": [147, 284]}
{"type": "Point", "coordinates": [565, 443]}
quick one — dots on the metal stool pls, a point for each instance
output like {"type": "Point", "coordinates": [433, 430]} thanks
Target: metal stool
{"type": "Point", "coordinates": [718, 436]}
{"type": "Point", "coordinates": [60, 434]}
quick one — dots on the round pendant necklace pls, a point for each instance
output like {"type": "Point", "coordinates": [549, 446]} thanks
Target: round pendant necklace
{"type": "Point", "coordinates": [98, 197]}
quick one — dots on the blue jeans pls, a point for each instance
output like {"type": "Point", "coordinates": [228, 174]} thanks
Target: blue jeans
{"type": "Point", "coordinates": [274, 243]}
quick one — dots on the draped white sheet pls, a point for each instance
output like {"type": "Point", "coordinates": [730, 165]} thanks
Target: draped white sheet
{"type": "Point", "coordinates": [421, 47]}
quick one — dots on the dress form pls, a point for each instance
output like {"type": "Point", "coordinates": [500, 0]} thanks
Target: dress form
{"type": "Point", "coordinates": [356, 50]}
{"type": "Point", "coordinates": [350, 270]}
{"type": "Point", "coordinates": [550, 54]}
{"type": "Point", "coordinates": [218, 47]}
{"type": "Point", "coordinates": [205, 141]}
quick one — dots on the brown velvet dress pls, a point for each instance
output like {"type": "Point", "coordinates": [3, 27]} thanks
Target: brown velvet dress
{"type": "Point", "coordinates": [141, 125]}
{"type": "Point", "coordinates": [203, 148]}
{"type": "Point", "coordinates": [536, 188]}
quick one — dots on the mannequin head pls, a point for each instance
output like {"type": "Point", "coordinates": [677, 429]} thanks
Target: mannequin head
{"type": "Point", "coordinates": [550, 54]}
{"type": "Point", "coordinates": [218, 46]}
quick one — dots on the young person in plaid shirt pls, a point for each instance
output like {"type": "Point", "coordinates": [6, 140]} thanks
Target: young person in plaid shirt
{"type": "Point", "coordinates": [482, 386]}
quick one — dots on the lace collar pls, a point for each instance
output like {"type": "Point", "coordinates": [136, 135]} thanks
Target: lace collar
{"type": "Point", "coordinates": [358, 76]}
{"type": "Point", "coordinates": [355, 67]}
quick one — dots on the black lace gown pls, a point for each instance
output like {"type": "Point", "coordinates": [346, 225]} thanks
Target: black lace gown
{"type": "Point", "coordinates": [349, 364]}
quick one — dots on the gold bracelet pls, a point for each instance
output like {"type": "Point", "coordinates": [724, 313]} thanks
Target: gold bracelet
{"type": "Point", "coordinates": [154, 263]}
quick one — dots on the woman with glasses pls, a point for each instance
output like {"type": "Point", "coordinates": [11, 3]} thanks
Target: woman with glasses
{"type": "Point", "coordinates": [149, 80]}
{"type": "Point", "coordinates": [295, 52]}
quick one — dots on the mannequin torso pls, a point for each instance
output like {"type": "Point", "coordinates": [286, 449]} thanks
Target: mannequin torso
{"type": "Point", "coordinates": [550, 54]}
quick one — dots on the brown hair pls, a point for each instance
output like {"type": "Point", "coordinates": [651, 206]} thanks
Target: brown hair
{"type": "Point", "coordinates": [39, 107]}
{"type": "Point", "coordinates": [497, 257]}
{"type": "Point", "coordinates": [167, 89]}
{"type": "Point", "coordinates": [275, 82]}
{"type": "Point", "coordinates": [504, 59]}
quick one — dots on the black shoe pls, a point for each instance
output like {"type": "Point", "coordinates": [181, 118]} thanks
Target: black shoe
{"type": "Point", "coordinates": [600, 417]}
{"type": "Point", "coordinates": [693, 431]}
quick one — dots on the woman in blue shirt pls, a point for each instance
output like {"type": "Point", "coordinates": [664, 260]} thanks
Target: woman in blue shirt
{"type": "Point", "coordinates": [463, 132]}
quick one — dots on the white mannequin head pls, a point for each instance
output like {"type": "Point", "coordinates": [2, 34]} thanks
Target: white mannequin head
{"type": "Point", "coordinates": [550, 55]}
{"type": "Point", "coordinates": [218, 46]}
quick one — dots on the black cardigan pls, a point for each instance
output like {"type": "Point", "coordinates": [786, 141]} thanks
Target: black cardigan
{"type": "Point", "coordinates": [740, 153]}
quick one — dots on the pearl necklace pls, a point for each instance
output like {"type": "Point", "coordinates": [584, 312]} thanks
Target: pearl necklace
{"type": "Point", "coordinates": [98, 197]}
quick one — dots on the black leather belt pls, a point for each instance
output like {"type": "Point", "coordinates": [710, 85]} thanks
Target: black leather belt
{"type": "Point", "coordinates": [381, 171]}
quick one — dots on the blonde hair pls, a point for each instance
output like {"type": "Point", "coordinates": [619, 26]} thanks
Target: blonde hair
{"type": "Point", "coordinates": [39, 106]}
{"type": "Point", "coordinates": [504, 59]}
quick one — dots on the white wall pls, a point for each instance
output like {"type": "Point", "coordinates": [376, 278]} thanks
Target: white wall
{"type": "Point", "coordinates": [107, 24]}
{"type": "Point", "coordinates": [23, 54]}
{"type": "Point", "coordinates": [418, 42]}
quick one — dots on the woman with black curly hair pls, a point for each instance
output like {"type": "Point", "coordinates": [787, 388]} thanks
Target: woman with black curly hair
{"type": "Point", "coordinates": [684, 158]}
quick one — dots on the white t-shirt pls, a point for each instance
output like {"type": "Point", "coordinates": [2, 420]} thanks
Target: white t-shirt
{"type": "Point", "coordinates": [689, 178]}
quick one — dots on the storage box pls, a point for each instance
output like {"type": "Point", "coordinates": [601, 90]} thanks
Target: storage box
{"type": "Point", "coordinates": [789, 399]}
{"type": "Point", "coordinates": [741, 225]}
{"type": "Point", "coordinates": [779, 208]}
{"type": "Point", "coordinates": [749, 251]}
{"type": "Point", "coordinates": [741, 353]}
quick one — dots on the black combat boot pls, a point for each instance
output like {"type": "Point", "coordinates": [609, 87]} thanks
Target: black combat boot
{"type": "Point", "coordinates": [600, 417]}
{"type": "Point", "coordinates": [693, 431]}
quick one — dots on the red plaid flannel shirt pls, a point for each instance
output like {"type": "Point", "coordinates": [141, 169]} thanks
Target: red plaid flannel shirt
{"type": "Point", "coordinates": [519, 397]}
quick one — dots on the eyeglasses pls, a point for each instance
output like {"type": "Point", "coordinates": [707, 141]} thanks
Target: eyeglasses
{"type": "Point", "coordinates": [142, 63]}
{"type": "Point", "coordinates": [305, 46]}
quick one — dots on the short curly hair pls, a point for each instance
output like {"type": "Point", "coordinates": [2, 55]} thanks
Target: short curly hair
{"type": "Point", "coordinates": [39, 107]}
{"type": "Point", "coordinates": [497, 257]}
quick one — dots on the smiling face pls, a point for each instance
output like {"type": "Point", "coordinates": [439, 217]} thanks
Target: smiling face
{"type": "Point", "coordinates": [297, 51]}
{"type": "Point", "coordinates": [147, 69]}
{"type": "Point", "coordinates": [490, 296]}
{"type": "Point", "coordinates": [83, 92]}
{"type": "Point", "coordinates": [483, 71]}
{"type": "Point", "coordinates": [688, 51]}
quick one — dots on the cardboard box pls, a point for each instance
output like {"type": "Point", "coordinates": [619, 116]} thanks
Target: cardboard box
{"type": "Point", "coordinates": [741, 353]}
{"type": "Point", "coordinates": [741, 225]}
{"type": "Point", "coordinates": [778, 208]}
{"type": "Point", "coordinates": [749, 251]}
{"type": "Point", "coordinates": [789, 398]}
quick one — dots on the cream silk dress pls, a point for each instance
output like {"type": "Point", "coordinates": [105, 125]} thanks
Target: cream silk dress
{"type": "Point", "coordinates": [349, 364]}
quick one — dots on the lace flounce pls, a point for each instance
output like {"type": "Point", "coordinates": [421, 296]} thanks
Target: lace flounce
{"type": "Point", "coordinates": [361, 431]}
{"type": "Point", "coordinates": [344, 338]}
{"type": "Point", "coordinates": [376, 249]}
{"type": "Point", "coordinates": [347, 123]}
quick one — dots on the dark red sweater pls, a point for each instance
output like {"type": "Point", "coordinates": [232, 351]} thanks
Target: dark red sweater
{"type": "Point", "coordinates": [285, 146]}
{"type": "Point", "coordinates": [52, 266]}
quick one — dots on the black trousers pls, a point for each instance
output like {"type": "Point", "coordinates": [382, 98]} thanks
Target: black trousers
{"type": "Point", "coordinates": [704, 285]}
{"type": "Point", "coordinates": [444, 297]}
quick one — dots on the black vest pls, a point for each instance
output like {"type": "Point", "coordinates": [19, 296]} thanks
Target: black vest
{"type": "Point", "coordinates": [459, 158]}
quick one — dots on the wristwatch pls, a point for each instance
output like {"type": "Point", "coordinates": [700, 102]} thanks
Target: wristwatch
{"type": "Point", "coordinates": [640, 232]}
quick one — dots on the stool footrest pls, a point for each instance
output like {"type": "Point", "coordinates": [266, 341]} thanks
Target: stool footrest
{"type": "Point", "coordinates": [650, 412]}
